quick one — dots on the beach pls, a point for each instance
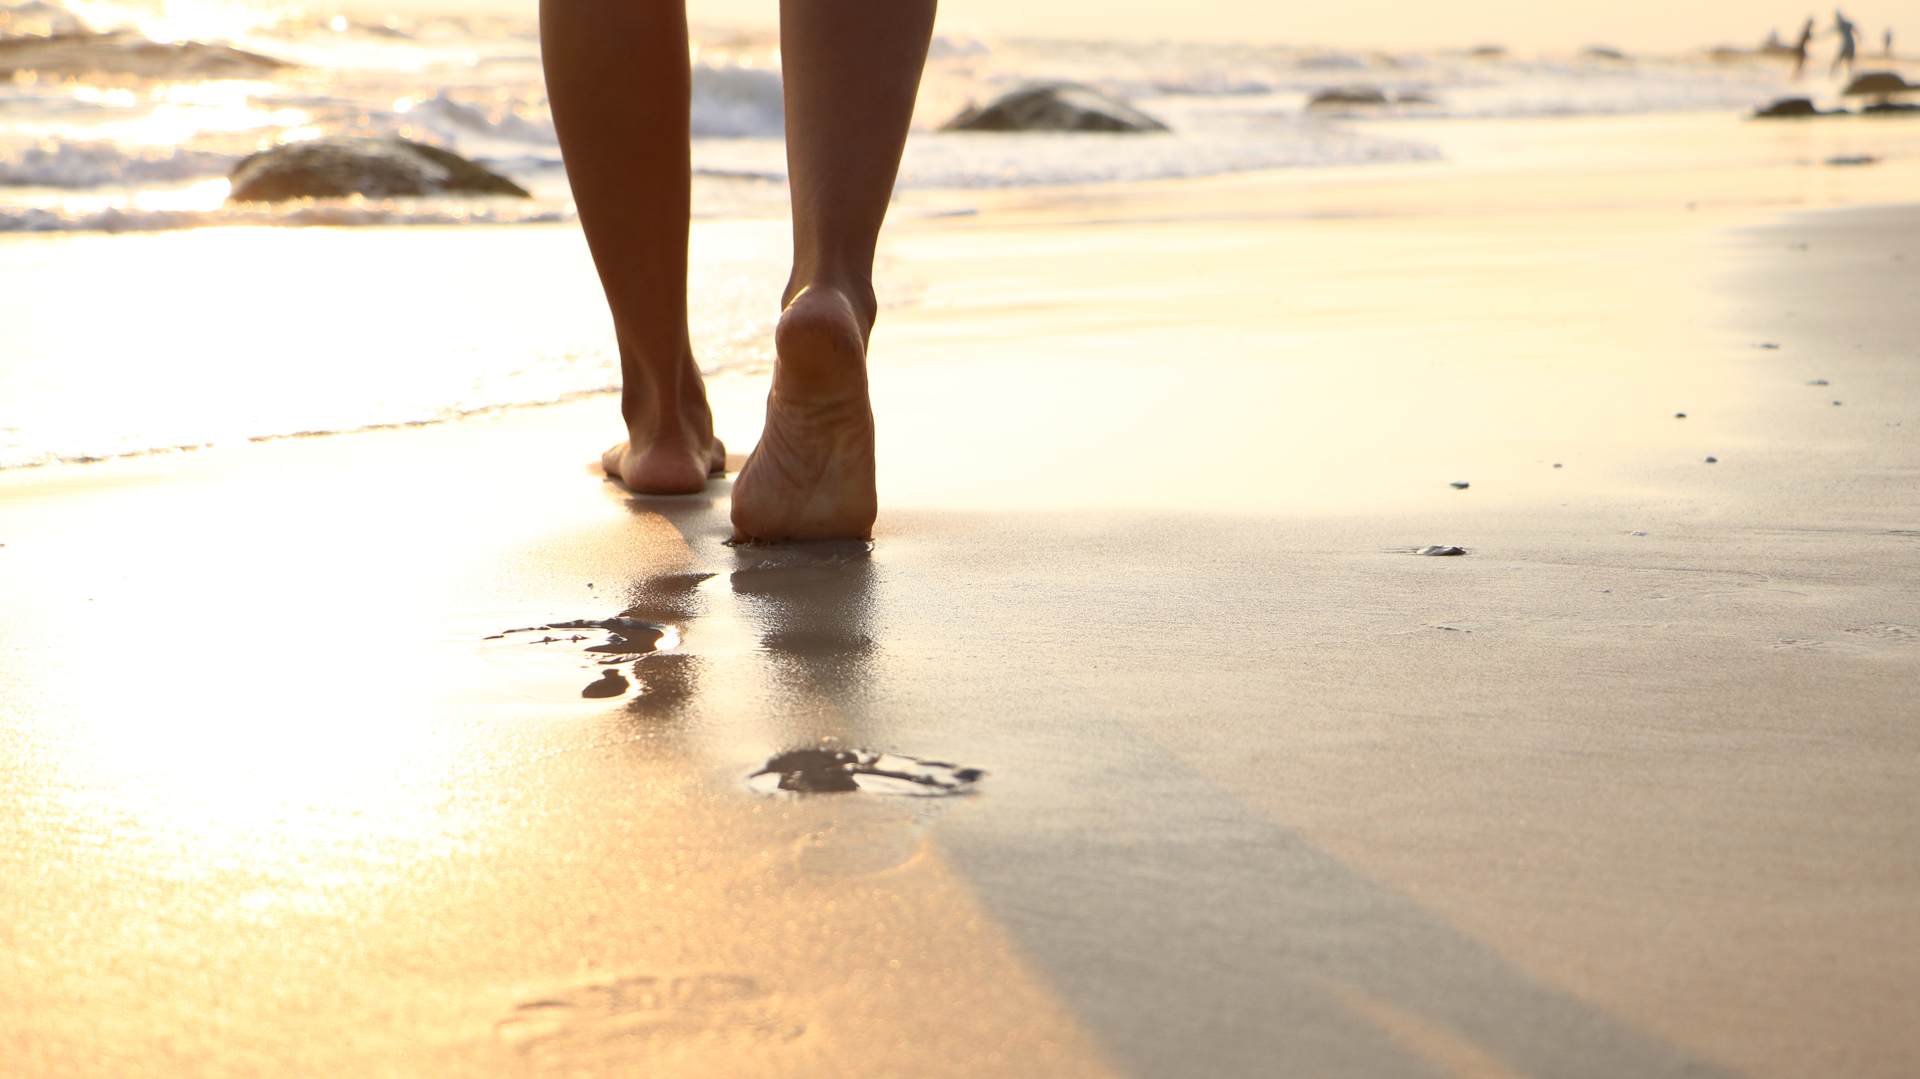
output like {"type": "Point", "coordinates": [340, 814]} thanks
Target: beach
{"type": "Point", "coordinates": [301, 782]}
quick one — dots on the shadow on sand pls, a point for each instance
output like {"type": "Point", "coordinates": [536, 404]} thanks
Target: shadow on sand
{"type": "Point", "coordinates": [1192, 934]}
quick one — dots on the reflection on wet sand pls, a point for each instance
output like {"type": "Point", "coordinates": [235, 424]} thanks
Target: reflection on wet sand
{"type": "Point", "coordinates": [777, 928]}
{"type": "Point", "coordinates": [1163, 911]}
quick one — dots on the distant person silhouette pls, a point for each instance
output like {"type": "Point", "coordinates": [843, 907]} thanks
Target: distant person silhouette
{"type": "Point", "coordinates": [620, 83]}
{"type": "Point", "coordinates": [1800, 46]}
{"type": "Point", "coordinates": [1847, 35]}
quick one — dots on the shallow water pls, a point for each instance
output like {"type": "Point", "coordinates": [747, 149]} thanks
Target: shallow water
{"type": "Point", "coordinates": [118, 343]}
{"type": "Point", "coordinates": [156, 150]}
{"type": "Point", "coordinates": [128, 344]}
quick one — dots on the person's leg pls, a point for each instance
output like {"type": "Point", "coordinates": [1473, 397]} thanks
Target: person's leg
{"type": "Point", "coordinates": [619, 81]}
{"type": "Point", "coordinates": [851, 70]}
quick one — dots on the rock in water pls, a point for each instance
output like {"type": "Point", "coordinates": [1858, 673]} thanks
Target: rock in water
{"type": "Point", "coordinates": [1054, 106]}
{"type": "Point", "coordinates": [344, 165]}
{"type": "Point", "coordinates": [1787, 106]}
{"type": "Point", "coordinates": [1347, 95]}
{"type": "Point", "coordinates": [126, 53]}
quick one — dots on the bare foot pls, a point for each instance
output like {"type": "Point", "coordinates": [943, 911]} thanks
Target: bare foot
{"type": "Point", "coordinates": [811, 476]}
{"type": "Point", "coordinates": [666, 466]}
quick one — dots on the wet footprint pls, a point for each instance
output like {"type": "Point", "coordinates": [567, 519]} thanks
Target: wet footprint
{"type": "Point", "coordinates": [625, 636]}
{"type": "Point", "coordinates": [835, 771]}
{"type": "Point", "coordinates": [546, 661]}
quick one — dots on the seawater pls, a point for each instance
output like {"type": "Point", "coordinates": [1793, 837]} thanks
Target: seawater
{"type": "Point", "coordinates": [116, 345]}
{"type": "Point", "coordinates": [143, 312]}
{"type": "Point", "coordinates": [121, 155]}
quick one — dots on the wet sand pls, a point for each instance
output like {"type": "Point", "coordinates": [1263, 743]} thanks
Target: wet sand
{"type": "Point", "coordinates": [1629, 788]}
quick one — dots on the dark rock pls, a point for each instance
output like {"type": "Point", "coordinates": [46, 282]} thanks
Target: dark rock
{"type": "Point", "coordinates": [1436, 551]}
{"type": "Point", "coordinates": [1875, 83]}
{"type": "Point", "coordinates": [1711, 461]}
{"type": "Point", "coordinates": [1679, 415]}
{"type": "Point", "coordinates": [1459, 485]}
{"type": "Point", "coordinates": [1347, 95]}
{"type": "Point", "coordinates": [124, 52]}
{"type": "Point", "coordinates": [1890, 106]}
{"type": "Point", "coordinates": [1853, 159]}
{"type": "Point", "coordinates": [341, 166]}
{"type": "Point", "coordinates": [1057, 106]}
{"type": "Point", "coordinates": [1787, 107]}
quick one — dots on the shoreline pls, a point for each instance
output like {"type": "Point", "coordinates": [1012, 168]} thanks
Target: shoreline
{"type": "Point", "coordinates": [1723, 174]}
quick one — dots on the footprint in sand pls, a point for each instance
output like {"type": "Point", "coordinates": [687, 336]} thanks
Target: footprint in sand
{"type": "Point", "coordinates": [610, 1026]}
{"type": "Point", "coordinates": [861, 836]}
{"type": "Point", "coordinates": [547, 661]}
{"type": "Point", "coordinates": [1884, 637]}
{"type": "Point", "coordinates": [837, 771]}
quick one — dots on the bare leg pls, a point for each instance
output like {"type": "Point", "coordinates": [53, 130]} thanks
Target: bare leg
{"type": "Point", "coordinates": [851, 70]}
{"type": "Point", "coordinates": [619, 81]}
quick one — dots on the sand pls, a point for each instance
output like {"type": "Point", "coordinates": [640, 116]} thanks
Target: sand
{"type": "Point", "coordinates": [1629, 788]}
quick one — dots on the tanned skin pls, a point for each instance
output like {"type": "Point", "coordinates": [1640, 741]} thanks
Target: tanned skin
{"type": "Point", "coordinates": [619, 81]}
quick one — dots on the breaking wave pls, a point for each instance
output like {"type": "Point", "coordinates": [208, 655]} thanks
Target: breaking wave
{"type": "Point", "coordinates": [78, 165]}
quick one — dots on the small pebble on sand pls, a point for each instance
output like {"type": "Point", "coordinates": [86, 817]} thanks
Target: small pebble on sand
{"type": "Point", "coordinates": [1556, 464]}
{"type": "Point", "coordinates": [1679, 415]}
{"type": "Point", "coordinates": [1836, 402]}
{"type": "Point", "coordinates": [1438, 551]}
{"type": "Point", "coordinates": [1713, 460]}
{"type": "Point", "coordinates": [1458, 486]}
{"type": "Point", "coordinates": [1818, 382]}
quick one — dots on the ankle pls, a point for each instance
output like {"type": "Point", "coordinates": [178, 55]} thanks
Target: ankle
{"type": "Point", "coordinates": [654, 419]}
{"type": "Point", "coordinates": [856, 290]}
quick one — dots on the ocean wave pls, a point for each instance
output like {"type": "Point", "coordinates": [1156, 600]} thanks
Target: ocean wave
{"type": "Point", "coordinates": [69, 164]}
{"type": "Point", "coordinates": [978, 160]}
{"type": "Point", "coordinates": [443, 116]}
{"type": "Point", "coordinates": [343, 214]}
{"type": "Point", "coordinates": [730, 101]}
